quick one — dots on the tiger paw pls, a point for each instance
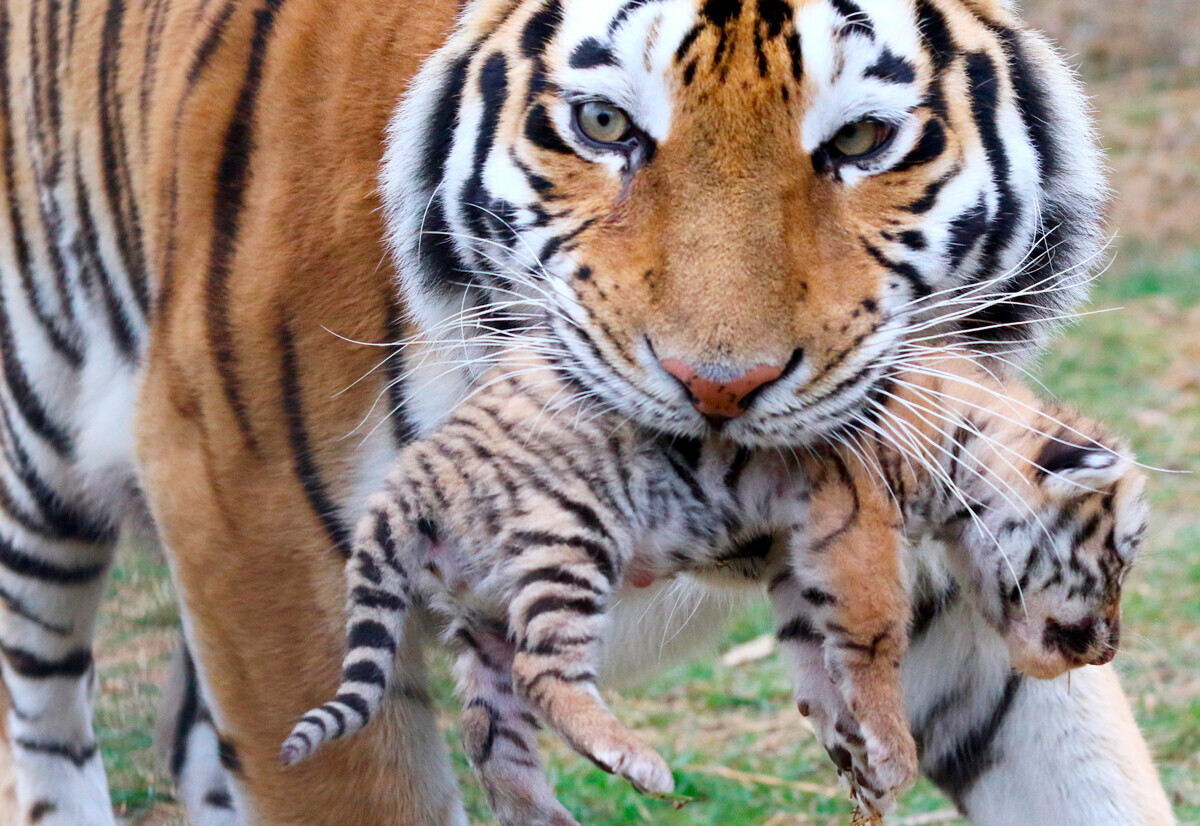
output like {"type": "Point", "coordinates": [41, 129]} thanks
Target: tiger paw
{"type": "Point", "coordinates": [878, 764]}
{"type": "Point", "coordinates": [639, 764]}
{"type": "Point", "coordinates": [529, 810]}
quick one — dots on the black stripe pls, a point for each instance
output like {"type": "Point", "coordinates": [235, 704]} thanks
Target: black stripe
{"type": "Point", "coordinates": [928, 609]}
{"type": "Point", "coordinates": [233, 178]}
{"type": "Point", "coordinates": [929, 148]}
{"type": "Point", "coordinates": [623, 13]}
{"type": "Point", "coordinates": [592, 53]}
{"type": "Point", "coordinates": [972, 755]}
{"type": "Point", "coordinates": [540, 29]}
{"type": "Point", "coordinates": [493, 91]}
{"type": "Point", "coordinates": [818, 597]}
{"type": "Point", "coordinates": [114, 155]}
{"type": "Point", "coordinates": [1033, 101]}
{"type": "Point", "coordinates": [558, 576]}
{"type": "Point", "coordinates": [365, 671]}
{"type": "Point", "coordinates": [92, 270]}
{"type": "Point", "coordinates": [40, 809]}
{"type": "Point", "coordinates": [67, 349]}
{"type": "Point", "coordinates": [596, 552]}
{"type": "Point", "coordinates": [685, 45]}
{"type": "Point", "coordinates": [439, 262]}
{"type": "Point", "coordinates": [338, 718]}
{"type": "Point", "coordinates": [47, 161]}
{"type": "Point", "coordinates": [354, 702]}
{"type": "Point", "coordinates": [551, 604]}
{"type": "Point", "coordinates": [303, 460]}
{"type": "Point", "coordinates": [155, 27]}
{"type": "Point", "coordinates": [541, 132]}
{"type": "Point", "coordinates": [79, 754]}
{"type": "Point", "coordinates": [929, 198]}
{"type": "Point", "coordinates": [797, 57]}
{"type": "Point", "coordinates": [27, 401]}
{"type": "Point", "coordinates": [984, 83]}
{"type": "Point", "coordinates": [208, 46]}
{"type": "Point", "coordinates": [17, 607]}
{"type": "Point", "coordinates": [31, 666]}
{"type": "Point", "coordinates": [228, 756]}
{"type": "Point", "coordinates": [62, 521]}
{"type": "Point", "coordinates": [23, 564]}
{"type": "Point", "coordinates": [366, 565]}
{"type": "Point", "coordinates": [377, 598]}
{"type": "Point", "coordinates": [560, 676]}
{"type": "Point", "coordinates": [185, 720]}
{"type": "Point", "coordinates": [936, 36]}
{"type": "Point", "coordinates": [965, 231]}
{"type": "Point", "coordinates": [857, 21]}
{"type": "Point", "coordinates": [901, 268]}
{"type": "Point", "coordinates": [218, 799]}
{"type": "Point", "coordinates": [892, 68]}
{"type": "Point", "coordinates": [370, 634]}
{"type": "Point", "coordinates": [798, 629]}
{"type": "Point", "coordinates": [403, 429]}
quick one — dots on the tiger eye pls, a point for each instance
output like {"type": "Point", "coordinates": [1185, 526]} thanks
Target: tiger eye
{"type": "Point", "coordinates": [860, 138]}
{"type": "Point", "coordinates": [603, 122]}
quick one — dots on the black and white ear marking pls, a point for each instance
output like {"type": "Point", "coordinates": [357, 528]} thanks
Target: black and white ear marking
{"type": "Point", "coordinates": [1066, 467]}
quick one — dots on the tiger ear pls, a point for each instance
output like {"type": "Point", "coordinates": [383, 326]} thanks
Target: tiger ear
{"type": "Point", "coordinates": [1065, 467]}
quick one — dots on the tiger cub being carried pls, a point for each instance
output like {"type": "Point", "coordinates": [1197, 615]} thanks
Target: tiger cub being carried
{"type": "Point", "coordinates": [518, 520]}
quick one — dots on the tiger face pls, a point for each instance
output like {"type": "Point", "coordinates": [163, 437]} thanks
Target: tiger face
{"type": "Point", "coordinates": [733, 214]}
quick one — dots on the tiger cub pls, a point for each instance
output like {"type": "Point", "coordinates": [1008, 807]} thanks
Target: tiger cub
{"type": "Point", "coordinates": [518, 523]}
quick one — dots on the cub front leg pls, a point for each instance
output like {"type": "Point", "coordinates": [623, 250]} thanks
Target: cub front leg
{"type": "Point", "coordinates": [848, 567]}
{"type": "Point", "coordinates": [558, 621]}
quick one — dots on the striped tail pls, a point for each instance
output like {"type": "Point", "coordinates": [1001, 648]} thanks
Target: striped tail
{"type": "Point", "coordinates": [378, 598]}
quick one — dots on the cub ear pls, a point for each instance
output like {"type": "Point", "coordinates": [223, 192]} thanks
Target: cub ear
{"type": "Point", "coordinates": [1066, 467]}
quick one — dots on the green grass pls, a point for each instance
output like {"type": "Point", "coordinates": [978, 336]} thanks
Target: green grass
{"type": "Point", "coordinates": [738, 746]}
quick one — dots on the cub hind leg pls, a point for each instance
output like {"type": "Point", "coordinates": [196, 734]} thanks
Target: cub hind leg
{"type": "Point", "coordinates": [500, 734]}
{"type": "Point", "coordinates": [558, 621]}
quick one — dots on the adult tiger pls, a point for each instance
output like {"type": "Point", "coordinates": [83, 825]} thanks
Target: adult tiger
{"type": "Point", "coordinates": [720, 213]}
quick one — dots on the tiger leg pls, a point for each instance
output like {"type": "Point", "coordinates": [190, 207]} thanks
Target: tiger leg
{"type": "Point", "coordinates": [1015, 751]}
{"type": "Point", "coordinates": [500, 735]}
{"type": "Point", "coordinates": [559, 623]}
{"type": "Point", "coordinates": [848, 563]}
{"type": "Point", "coordinates": [50, 593]}
{"type": "Point", "coordinates": [188, 739]}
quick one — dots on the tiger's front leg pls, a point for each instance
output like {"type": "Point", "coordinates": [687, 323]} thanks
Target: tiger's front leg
{"type": "Point", "coordinates": [558, 621]}
{"type": "Point", "coordinates": [500, 734]}
{"type": "Point", "coordinates": [847, 594]}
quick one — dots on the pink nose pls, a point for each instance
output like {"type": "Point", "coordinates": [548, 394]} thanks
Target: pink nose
{"type": "Point", "coordinates": [721, 399]}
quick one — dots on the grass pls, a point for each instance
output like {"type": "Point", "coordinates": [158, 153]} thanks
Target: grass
{"type": "Point", "coordinates": [738, 746]}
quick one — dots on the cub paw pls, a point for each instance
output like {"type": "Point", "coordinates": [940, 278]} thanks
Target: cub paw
{"type": "Point", "coordinates": [637, 763]}
{"type": "Point", "coordinates": [523, 811]}
{"type": "Point", "coordinates": [877, 765]}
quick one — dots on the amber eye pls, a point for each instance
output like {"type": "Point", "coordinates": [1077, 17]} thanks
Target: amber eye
{"type": "Point", "coordinates": [602, 122]}
{"type": "Point", "coordinates": [861, 138]}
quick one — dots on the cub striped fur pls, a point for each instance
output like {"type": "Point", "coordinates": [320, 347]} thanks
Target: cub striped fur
{"type": "Point", "coordinates": [517, 525]}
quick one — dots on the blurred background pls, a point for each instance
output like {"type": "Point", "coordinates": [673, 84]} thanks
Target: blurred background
{"type": "Point", "coordinates": [725, 722]}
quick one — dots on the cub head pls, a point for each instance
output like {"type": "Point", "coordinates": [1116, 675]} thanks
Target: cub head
{"type": "Point", "coordinates": [733, 213]}
{"type": "Point", "coordinates": [1066, 552]}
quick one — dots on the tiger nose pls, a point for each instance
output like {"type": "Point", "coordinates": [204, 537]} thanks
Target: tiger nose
{"type": "Point", "coordinates": [725, 399]}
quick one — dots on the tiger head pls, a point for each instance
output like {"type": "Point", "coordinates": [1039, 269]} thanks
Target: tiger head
{"type": "Point", "coordinates": [735, 213]}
